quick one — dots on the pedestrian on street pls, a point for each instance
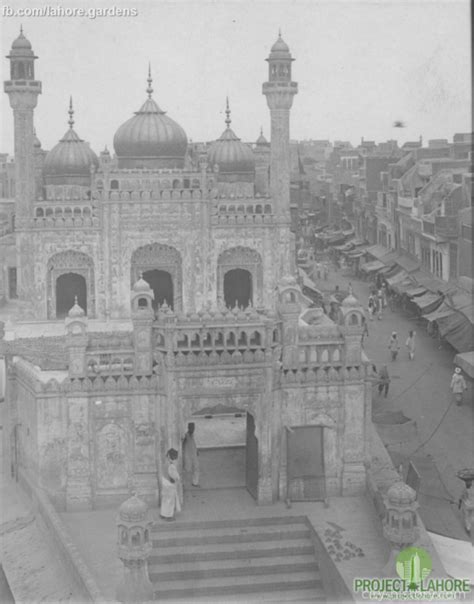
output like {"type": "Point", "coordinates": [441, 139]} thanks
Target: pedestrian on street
{"type": "Point", "coordinates": [366, 328]}
{"type": "Point", "coordinates": [191, 456]}
{"type": "Point", "coordinates": [394, 346]}
{"type": "Point", "coordinates": [384, 380]}
{"type": "Point", "coordinates": [379, 304]}
{"type": "Point", "coordinates": [410, 344]}
{"type": "Point", "coordinates": [371, 307]}
{"type": "Point", "coordinates": [458, 385]}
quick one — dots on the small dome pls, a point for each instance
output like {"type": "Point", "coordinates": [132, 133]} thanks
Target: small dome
{"type": "Point", "coordinates": [150, 138]}
{"type": "Point", "coordinates": [76, 311]}
{"type": "Point", "coordinates": [70, 161]}
{"type": "Point", "coordinates": [133, 510]}
{"type": "Point", "coordinates": [351, 301]}
{"type": "Point", "coordinates": [234, 158]}
{"type": "Point", "coordinates": [261, 140]}
{"type": "Point", "coordinates": [401, 494]}
{"type": "Point", "coordinates": [141, 286]}
{"type": "Point", "coordinates": [280, 46]}
{"type": "Point", "coordinates": [21, 43]}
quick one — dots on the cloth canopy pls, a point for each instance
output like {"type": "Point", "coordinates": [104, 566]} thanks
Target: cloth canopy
{"type": "Point", "coordinates": [377, 251]}
{"type": "Point", "coordinates": [428, 302]}
{"type": "Point", "coordinates": [369, 267]}
{"type": "Point", "coordinates": [441, 312]}
{"type": "Point", "coordinates": [307, 281]}
{"type": "Point", "coordinates": [415, 291]}
{"type": "Point", "coordinates": [431, 283]}
{"type": "Point", "coordinates": [458, 330]}
{"type": "Point", "coordinates": [407, 263]}
{"type": "Point", "coordinates": [465, 360]}
{"type": "Point", "coordinates": [400, 276]}
{"type": "Point", "coordinates": [402, 286]}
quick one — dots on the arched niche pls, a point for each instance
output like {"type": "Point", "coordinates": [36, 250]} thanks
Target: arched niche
{"type": "Point", "coordinates": [161, 266]}
{"type": "Point", "coordinates": [243, 259]}
{"type": "Point", "coordinates": [70, 262]}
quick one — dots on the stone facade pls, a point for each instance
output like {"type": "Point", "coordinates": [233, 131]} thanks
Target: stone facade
{"type": "Point", "coordinates": [91, 433]}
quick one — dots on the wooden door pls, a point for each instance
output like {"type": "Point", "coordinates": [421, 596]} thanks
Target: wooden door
{"type": "Point", "coordinates": [251, 458]}
{"type": "Point", "coordinates": [305, 464]}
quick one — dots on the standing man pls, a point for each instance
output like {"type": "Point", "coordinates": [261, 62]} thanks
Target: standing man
{"type": "Point", "coordinates": [458, 385]}
{"type": "Point", "coordinates": [394, 346]}
{"type": "Point", "coordinates": [410, 344]}
{"type": "Point", "coordinates": [190, 455]}
{"type": "Point", "coordinates": [384, 380]}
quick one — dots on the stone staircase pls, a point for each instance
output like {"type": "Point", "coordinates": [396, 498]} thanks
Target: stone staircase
{"type": "Point", "coordinates": [250, 560]}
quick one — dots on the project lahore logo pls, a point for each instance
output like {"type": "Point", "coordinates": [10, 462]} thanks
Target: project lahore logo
{"type": "Point", "coordinates": [413, 566]}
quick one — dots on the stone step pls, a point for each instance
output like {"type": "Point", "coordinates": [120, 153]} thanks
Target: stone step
{"type": "Point", "coordinates": [195, 536]}
{"type": "Point", "coordinates": [229, 551]}
{"type": "Point", "coordinates": [235, 585]}
{"type": "Point", "coordinates": [172, 527]}
{"type": "Point", "coordinates": [291, 595]}
{"type": "Point", "coordinates": [229, 568]}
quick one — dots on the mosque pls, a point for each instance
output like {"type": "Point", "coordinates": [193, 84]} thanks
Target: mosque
{"type": "Point", "coordinates": [162, 277]}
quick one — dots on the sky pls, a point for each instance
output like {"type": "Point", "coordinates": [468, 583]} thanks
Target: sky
{"type": "Point", "coordinates": [360, 66]}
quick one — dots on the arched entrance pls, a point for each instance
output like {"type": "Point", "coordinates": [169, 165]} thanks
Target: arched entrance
{"type": "Point", "coordinates": [161, 283]}
{"type": "Point", "coordinates": [228, 448]}
{"type": "Point", "coordinates": [68, 287]}
{"type": "Point", "coordinates": [237, 288]}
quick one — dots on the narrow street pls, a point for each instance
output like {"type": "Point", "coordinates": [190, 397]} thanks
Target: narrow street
{"type": "Point", "coordinates": [420, 389]}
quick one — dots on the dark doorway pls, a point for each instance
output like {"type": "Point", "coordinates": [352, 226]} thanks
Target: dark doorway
{"type": "Point", "coordinates": [162, 285]}
{"type": "Point", "coordinates": [306, 479]}
{"type": "Point", "coordinates": [68, 286]}
{"type": "Point", "coordinates": [228, 449]}
{"type": "Point", "coordinates": [251, 458]}
{"type": "Point", "coordinates": [237, 288]}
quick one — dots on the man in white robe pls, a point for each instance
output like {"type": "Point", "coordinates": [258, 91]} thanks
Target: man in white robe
{"type": "Point", "coordinates": [171, 489]}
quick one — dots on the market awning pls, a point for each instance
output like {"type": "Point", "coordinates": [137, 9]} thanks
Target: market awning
{"type": "Point", "coordinates": [402, 286]}
{"type": "Point", "coordinates": [370, 267]}
{"type": "Point", "coordinates": [431, 283]}
{"type": "Point", "coordinates": [441, 312]}
{"type": "Point", "coordinates": [377, 251]}
{"type": "Point", "coordinates": [407, 263]}
{"type": "Point", "coordinates": [415, 291]}
{"type": "Point", "coordinates": [389, 258]}
{"type": "Point", "coordinates": [397, 278]}
{"type": "Point", "coordinates": [458, 330]}
{"type": "Point", "coordinates": [307, 282]}
{"type": "Point", "coordinates": [428, 302]}
{"type": "Point", "coordinates": [465, 360]}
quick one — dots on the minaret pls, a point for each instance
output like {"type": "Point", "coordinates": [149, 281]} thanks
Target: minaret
{"type": "Point", "coordinates": [23, 91]}
{"type": "Point", "coordinates": [279, 91]}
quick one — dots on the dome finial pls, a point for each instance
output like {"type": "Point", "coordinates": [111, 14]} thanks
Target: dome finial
{"type": "Point", "coordinates": [149, 90]}
{"type": "Point", "coordinates": [279, 32]}
{"type": "Point", "coordinates": [228, 121]}
{"type": "Point", "coordinates": [21, 29]}
{"type": "Point", "coordinates": [71, 114]}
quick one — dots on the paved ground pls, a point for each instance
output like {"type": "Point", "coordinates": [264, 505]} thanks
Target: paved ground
{"type": "Point", "coordinates": [31, 565]}
{"type": "Point", "coordinates": [420, 389]}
